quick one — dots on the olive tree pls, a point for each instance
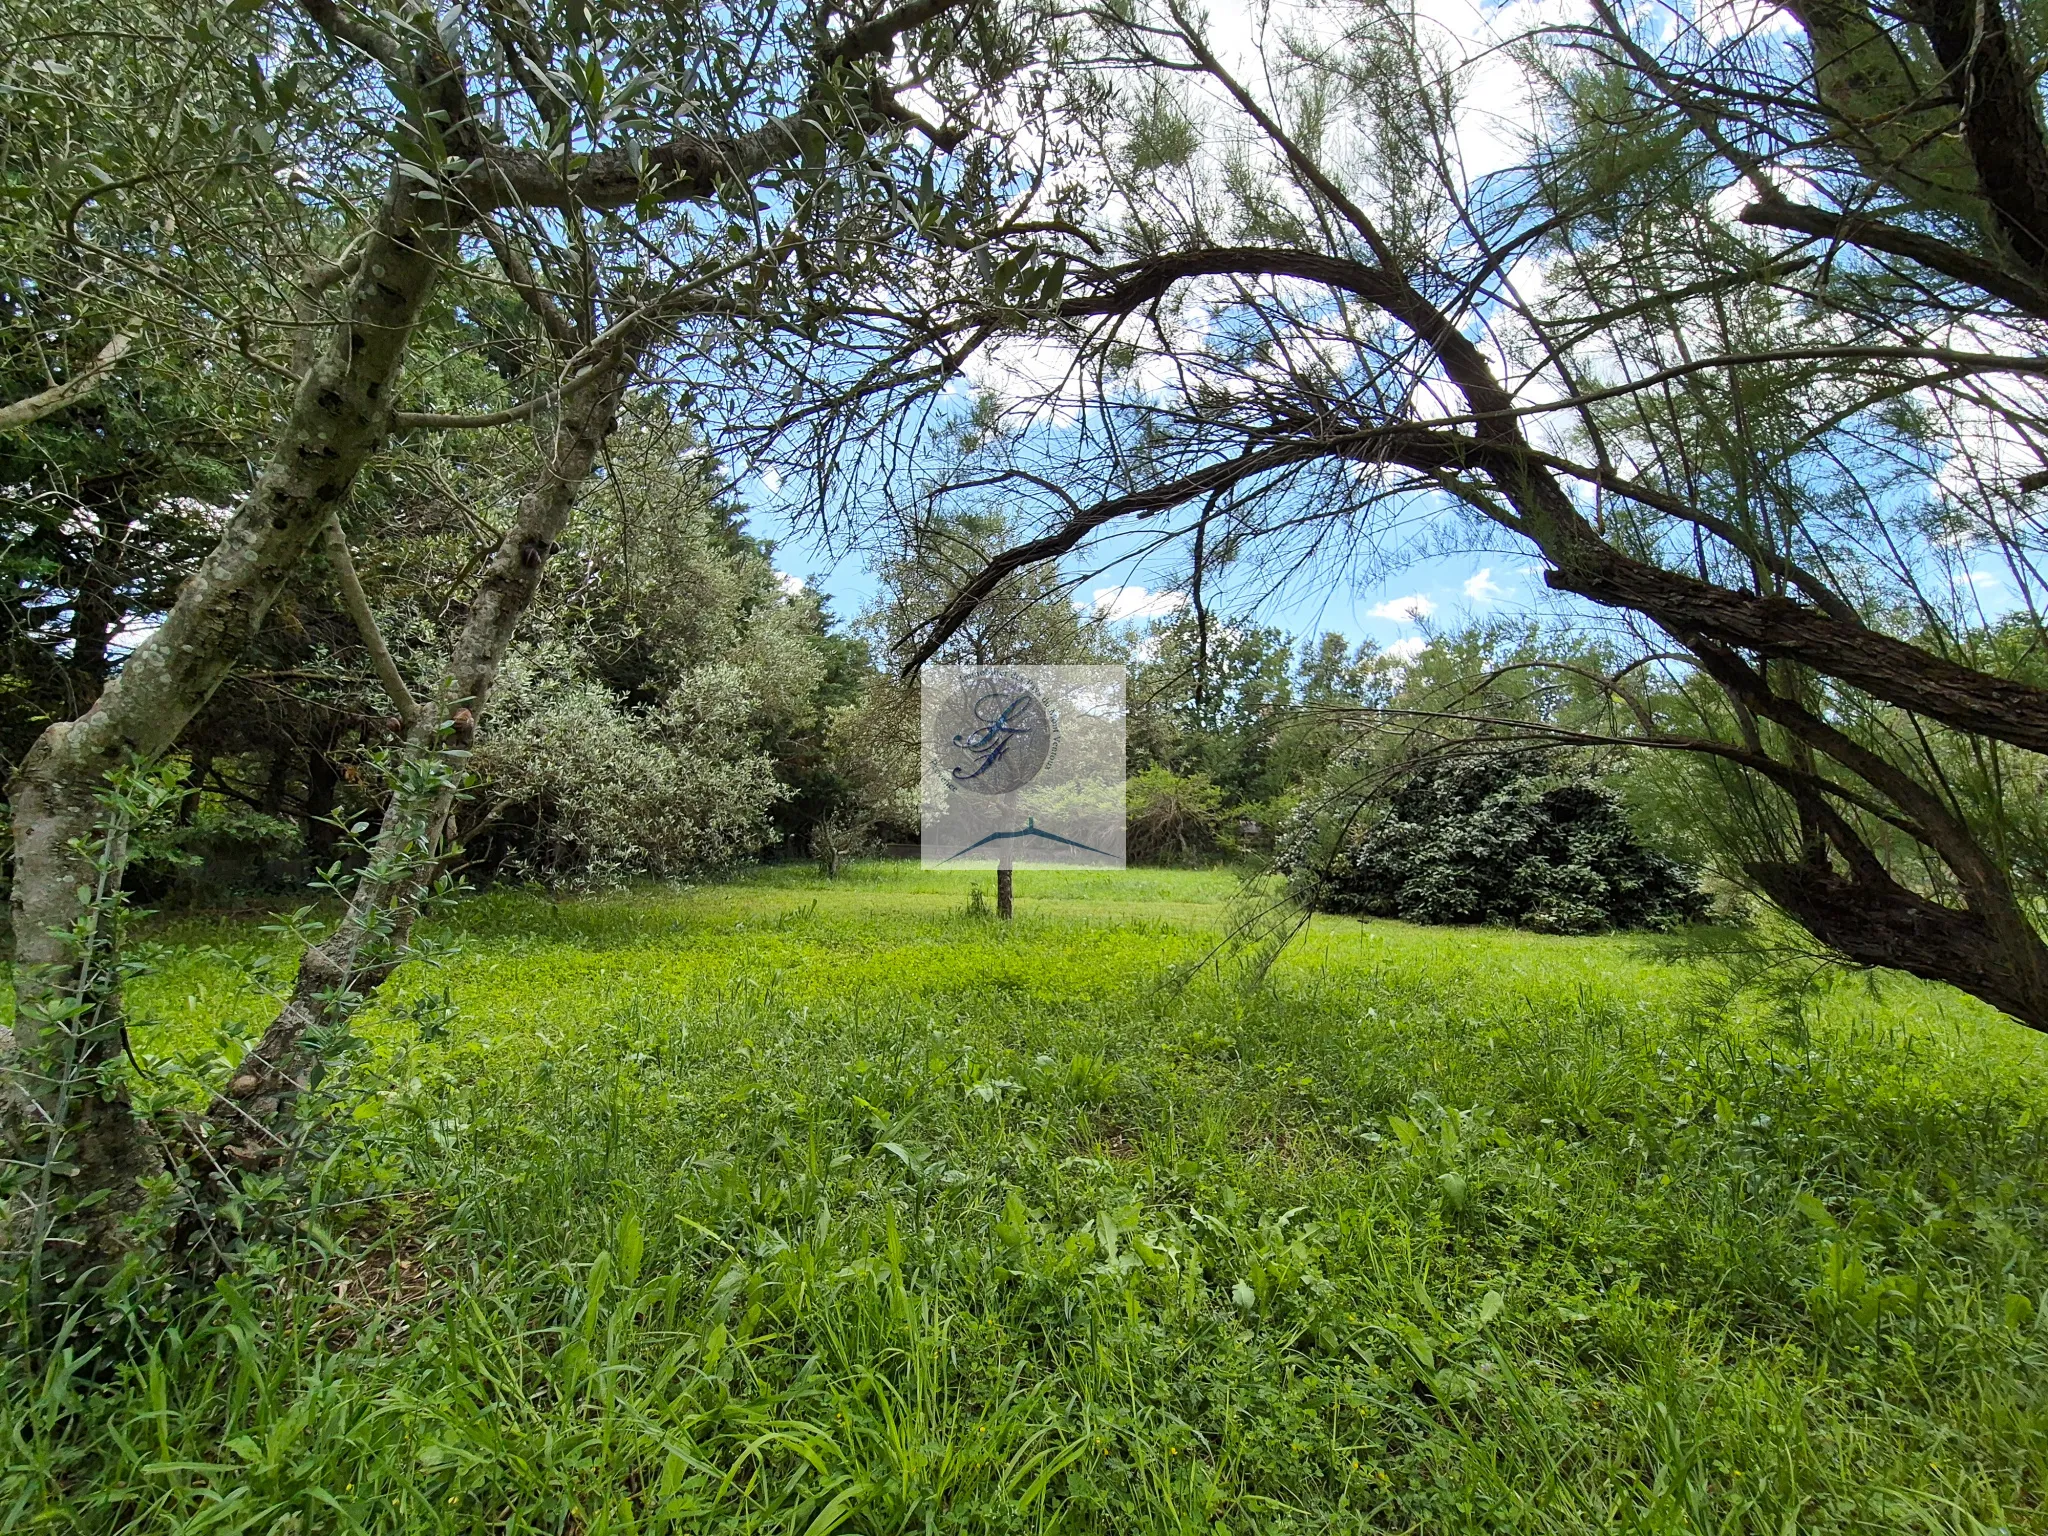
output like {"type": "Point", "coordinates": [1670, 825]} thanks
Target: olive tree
{"type": "Point", "coordinates": [654, 187]}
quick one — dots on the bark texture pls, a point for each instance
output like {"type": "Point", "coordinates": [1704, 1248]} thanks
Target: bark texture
{"type": "Point", "coordinates": [62, 1109]}
{"type": "Point", "coordinates": [1992, 79]}
{"type": "Point", "coordinates": [1873, 920]}
{"type": "Point", "coordinates": [253, 1123]}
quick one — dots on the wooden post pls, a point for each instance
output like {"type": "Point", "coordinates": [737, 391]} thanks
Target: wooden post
{"type": "Point", "coordinates": [1003, 890]}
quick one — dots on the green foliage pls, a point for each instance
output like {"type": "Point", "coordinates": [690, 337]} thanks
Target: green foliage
{"type": "Point", "coordinates": [1172, 819]}
{"type": "Point", "coordinates": [794, 1206]}
{"type": "Point", "coordinates": [871, 749]}
{"type": "Point", "coordinates": [1245, 705]}
{"type": "Point", "coordinates": [603, 791]}
{"type": "Point", "coordinates": [1491, 840]}
{"type": "Point", "coordinates": [151, 185]}
{"type": "Point", "coordinates": [224, 848]}
{"type": "Point", "coordinates": [1028, 619]}
{"type": "Point", "coordinates": [1164, 137]}
{"type": "Point", "coordinates": [679, 698]}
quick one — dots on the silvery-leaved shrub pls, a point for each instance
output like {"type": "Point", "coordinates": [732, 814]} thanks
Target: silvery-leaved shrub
{"type": "Point", "coordinates": [601, 791]}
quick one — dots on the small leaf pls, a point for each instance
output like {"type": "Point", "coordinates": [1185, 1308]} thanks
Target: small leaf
{"type": "Point", "coordinates": [1014, 1229]}
{"type": "Point", "coordinates": [631, 1247]}
{"type": "Point", "coordinates": [1810, 1207]}
{"type": "Point", "coordinates": [911, 1159]}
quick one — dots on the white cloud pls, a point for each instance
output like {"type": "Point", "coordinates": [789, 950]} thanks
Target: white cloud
{"type": "Point", "coordinates": [792, 586]}
{"type": "Point", "coordinates": [1407, 649]}
{"type": "Point", "coordinates": [1480, 587]}
{"type": "Point", "coordinates": [1724, 21]}
{"type": "Point", "coordinates": [771, 478]}
{"type": "Point", "coordinates": [1117, 604]}
{"type": "Point", "coordinates": [1404, 610]}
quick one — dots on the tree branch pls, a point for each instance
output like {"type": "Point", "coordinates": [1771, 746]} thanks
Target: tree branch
{"type": "Point", "coordinates": [366, 625]}
{"type": "Point", "coordinates": [688, 166]}
{"type": "Point", "coordinates": [48, 402]}
{"type": "Point", "coordinates": [1370, 444]}
{"type": "Point", "coordinates": [372, 42]}
{"type": "Point", "coordinates": [2001, 115]}
{"type": "Point", "coordinates": [1877, 235]}
{"type": "Point", "coordinates": [436, 421]}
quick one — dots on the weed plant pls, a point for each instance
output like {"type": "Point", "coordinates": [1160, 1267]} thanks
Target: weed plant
{"type": "Point", "coordinates": [805, 1207]}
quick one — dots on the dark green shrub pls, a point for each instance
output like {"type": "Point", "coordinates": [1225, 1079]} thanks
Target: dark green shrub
{"type": "Point", "coordinates": [225, 852]}
{"type": "Point", "coordinates": [1488, 841]}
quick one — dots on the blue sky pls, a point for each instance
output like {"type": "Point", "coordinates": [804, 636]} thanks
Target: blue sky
{"type": "Point", "coordinates": [1435, 592]}
{"type": "Point", "coordinates": [1441, 592]}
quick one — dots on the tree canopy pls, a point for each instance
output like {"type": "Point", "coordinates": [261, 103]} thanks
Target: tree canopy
{"type": "Point", "coordinates": [1737, 332]}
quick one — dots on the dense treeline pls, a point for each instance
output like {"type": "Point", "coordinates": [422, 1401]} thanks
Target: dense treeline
{"type": "Point", "coordinates": [672, 715]}
{"type": "Point", "coordinates": [688, 706]}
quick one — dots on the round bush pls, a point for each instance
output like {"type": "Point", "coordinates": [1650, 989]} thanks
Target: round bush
{"type": "Point", "coordinates": [1486, 841]}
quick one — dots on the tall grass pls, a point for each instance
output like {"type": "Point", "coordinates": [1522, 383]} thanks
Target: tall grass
{"type": "Point", "coordinates": [806, 1207]}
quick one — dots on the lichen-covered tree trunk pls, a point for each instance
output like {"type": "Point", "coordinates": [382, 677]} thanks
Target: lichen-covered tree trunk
{"type": "Point", "coordinates": [63, 1108]}
{"type": "Point", "coordinates": [252, 1125]}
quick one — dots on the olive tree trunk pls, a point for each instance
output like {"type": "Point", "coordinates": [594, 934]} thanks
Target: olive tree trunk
{"type": "Point", "coordinates": [252, 1123]}
{"type": "Point", "coordinates": [64, 1108]}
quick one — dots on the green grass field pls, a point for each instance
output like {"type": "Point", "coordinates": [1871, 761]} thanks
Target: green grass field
{"type": "Point", "coordinates": [801, 1207]}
